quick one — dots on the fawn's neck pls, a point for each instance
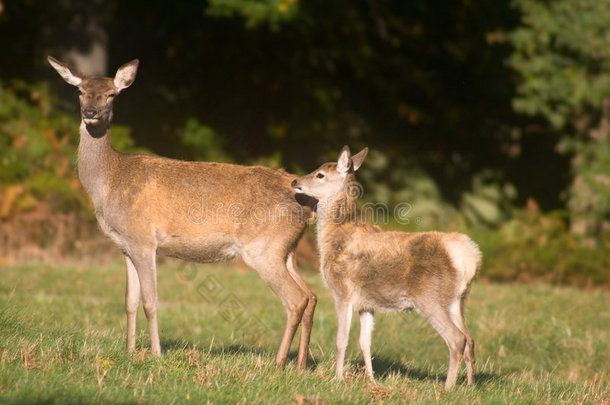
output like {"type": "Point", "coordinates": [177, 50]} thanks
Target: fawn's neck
{"type": "Point", "coordinates": [336, 217]}
{"type": "Point", "coordinates": [95, 159]}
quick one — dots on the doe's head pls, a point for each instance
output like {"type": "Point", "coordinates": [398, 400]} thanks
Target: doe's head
{"type": "Point", "coordinates": [96, 94]}
{"type": "Point", "coordinates": [331, 178]}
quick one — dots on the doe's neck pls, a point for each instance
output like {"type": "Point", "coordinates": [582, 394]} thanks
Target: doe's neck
{"type": "Point", "coordinates": [95, 158]}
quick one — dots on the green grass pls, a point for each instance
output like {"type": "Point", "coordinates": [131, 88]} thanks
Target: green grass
{"type": "Point", "coordinates": [62, 336]}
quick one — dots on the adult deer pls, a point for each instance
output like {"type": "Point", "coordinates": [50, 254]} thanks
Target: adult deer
{"type": "Point", "coordinates": [196, 211]}
{"type": "Point", "coordinates": [368, 269]}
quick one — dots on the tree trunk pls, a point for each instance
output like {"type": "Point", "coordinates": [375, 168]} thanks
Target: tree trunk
{"type": "Point", "coordinates": [75, 32]}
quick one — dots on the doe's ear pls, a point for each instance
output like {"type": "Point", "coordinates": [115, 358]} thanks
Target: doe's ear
{"type": "Point", "coordinates": [126, 75]}
{"type": "Point", "coordinates": [358, 158]}
{"type": "Point", "coordinates": [344, 162]}
{"type": "Point", "coordinates": [68, 73]}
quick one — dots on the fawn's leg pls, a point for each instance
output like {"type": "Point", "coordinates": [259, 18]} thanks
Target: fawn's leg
{"type": "Point", "coordinates": [366, 331]}
{"type": "Point", "coordinates": [457, 316]}
{"type": "Point", "coordinates": [344, 320]}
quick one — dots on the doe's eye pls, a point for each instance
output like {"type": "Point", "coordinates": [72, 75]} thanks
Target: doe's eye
{"type": "Point", "coordinates": [320, 175]}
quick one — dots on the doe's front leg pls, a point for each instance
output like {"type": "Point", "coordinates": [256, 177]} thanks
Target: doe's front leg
{"type": "Point", "coordinates": [132, 302]}
{"type": "Point", "coordinates": [146, 267]}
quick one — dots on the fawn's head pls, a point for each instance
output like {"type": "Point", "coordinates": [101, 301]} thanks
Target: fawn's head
{"type": "Point", "coordinates": [96, 94]}
{"type": "Point", "coordinates": [331, 178]}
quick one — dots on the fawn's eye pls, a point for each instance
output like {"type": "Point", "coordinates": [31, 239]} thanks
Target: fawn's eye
{"type": "Point", "coordinates": [111, 95]}
{"type": "Point", "coordinates": [320, 175]}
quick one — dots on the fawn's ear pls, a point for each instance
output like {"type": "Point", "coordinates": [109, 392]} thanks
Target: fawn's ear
{"type": "Point", "coordinates": [358, 158]}
{"type": "Point", "coordinates": [126, 75]}
{"type": "Point", "coordinates": [69, 74]}
{"type": "Point", "coordinates": [344, 162]}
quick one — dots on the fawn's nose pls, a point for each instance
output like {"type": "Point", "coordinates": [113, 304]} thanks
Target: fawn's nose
{"type": "Point", "coordinates": [89, 112]}
{"type": "Point", "coordinates": [294, 183]}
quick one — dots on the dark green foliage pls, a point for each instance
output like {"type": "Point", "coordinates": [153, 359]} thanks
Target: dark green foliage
{"type": "Point", "coordinates": [25, 114]}
{"type": "Point", "coordinates": [255, 12]}
{"type": "Point", "coordinates": [539, 247]}
{"type": "Point", "coordinates": [562, 55]}
{"type": "Point", "coordinates": [203, 143]}
{"type": "Point", "coordinates": [38, 145]}
{"type": "Point", "coordinates": [561, 52]}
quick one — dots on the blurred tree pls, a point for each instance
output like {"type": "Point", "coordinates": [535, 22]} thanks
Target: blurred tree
{"type": "Point", "coordinates": [563, 57]}
{"type": "Point", "coordinates": [72, 30]}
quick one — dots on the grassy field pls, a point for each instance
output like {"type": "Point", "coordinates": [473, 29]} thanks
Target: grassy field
{"type": "Point", "coordinates": [62, 336]}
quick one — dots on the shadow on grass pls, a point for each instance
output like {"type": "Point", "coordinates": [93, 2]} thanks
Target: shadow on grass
{"type": "Point", "coordinates": [384, 367]}
{"type": "Point", "coordinates": [214, 348]}
{"type": "Point", "coordinates": [219, 349]}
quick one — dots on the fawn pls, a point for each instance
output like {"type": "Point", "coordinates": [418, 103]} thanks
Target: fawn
{"type": "Point", "coordinates": [367, 269]}
{"type": "Point", "coordinates": [196, 211]}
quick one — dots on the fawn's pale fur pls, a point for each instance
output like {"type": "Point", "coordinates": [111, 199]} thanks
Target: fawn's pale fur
{"type": "Point", "coordinates": [368, 269]}
{"type": "Point", "coordinates": [197, 211]}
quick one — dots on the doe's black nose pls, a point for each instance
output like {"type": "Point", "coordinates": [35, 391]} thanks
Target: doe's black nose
{"type": "Point", "coordinates": [294, 183]}
{"type": "Point", "coordinates": [89, 112]}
